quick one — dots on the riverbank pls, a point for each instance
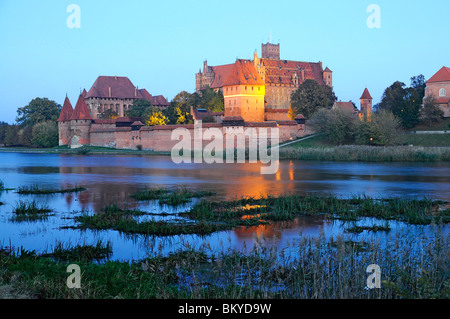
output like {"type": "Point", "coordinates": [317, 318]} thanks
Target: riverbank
{"type": "Point", "coordinates": [308, 149]}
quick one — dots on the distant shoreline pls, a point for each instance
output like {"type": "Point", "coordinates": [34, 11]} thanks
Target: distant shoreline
{"type": "Point", "coordinates": [345, 153]}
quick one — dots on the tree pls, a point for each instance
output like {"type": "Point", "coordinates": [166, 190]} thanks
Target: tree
{"type": "Point", "coordinates": [45, 134]}
{"type": "Point", "coordinates": [403, 102]}
{"type": "Point", "coordinates": [12, 132]}
{"type": "Point", "coordinates": [140, 108]}
{"type": "Point", "coordinates": [179, 111]}
{"type": "Point", "coordinates": [418, 83]}
{"type": "Point", "coordinates": [38, 110]}
{"type": "Point", "coordinates": [156, 118]}
{"type": "Point", "coordinates": [310, 97]}
{"type": "Point", "coordinates": [430, 112]}
{"type": "Point", "coordinates": [109, 114]}
{"type": "Point", "coordinates": [382, 130]}
{"type": "Point", "coordinates": [339, 126]}
{"type": "Point", "coordinates": [210, 100]}
{"type": "Point", "coordinates": [3, 129]}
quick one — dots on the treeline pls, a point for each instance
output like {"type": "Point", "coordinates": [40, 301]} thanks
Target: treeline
{"type": "Point", "coordinates": [36, 125]}
{"type": "Point", "coordinates": [401, 108]}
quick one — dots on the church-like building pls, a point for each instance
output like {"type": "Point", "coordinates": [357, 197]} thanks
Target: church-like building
{"type": "Point", "coordinates": [260, 89]}
{"type": "Point", "coordinates": [438, 86]}
{"type": "Point", "coordinates": [117, 93]}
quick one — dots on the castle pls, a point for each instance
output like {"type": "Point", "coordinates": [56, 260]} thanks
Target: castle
{"type": "Point", "coordinates": [77, 127]}
{"type": "Point", "coordinates": [260, 89]}
{"type": "Point", "coordinates": [117, 93]}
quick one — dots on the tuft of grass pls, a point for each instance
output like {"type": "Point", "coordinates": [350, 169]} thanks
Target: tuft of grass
{"type": "Point", "coordinates": [374, 228]}
{"type": "Point", "coordinates": [179, 196]}
{"type": "Point", "coordinates": [85, 253]}
{"type": "Point", "coordinates": [37, 190]}
{"type": "Point", "coordinates": [30, 211]}
{"type": "Point", "coordinates": [151, 193]}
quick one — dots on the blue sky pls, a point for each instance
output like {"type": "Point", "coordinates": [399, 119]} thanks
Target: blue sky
{"type": "Point", "coordinates": [160, 45]}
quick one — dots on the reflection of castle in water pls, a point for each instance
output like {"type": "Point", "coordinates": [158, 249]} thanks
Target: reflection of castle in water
{"type": "Point", "coordinates": [275, 230]}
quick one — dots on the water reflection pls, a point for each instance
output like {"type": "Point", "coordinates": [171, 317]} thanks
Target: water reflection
{"type": "Point", "coordinates": [114, 179]}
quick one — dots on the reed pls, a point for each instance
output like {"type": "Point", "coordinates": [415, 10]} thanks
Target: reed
{"type": "Point", "coordinates": [360, 153]}
{"type": "Point", "coordinates": [86, 253]}
{"type": "Point", "coordinates": [38, 190]}
{"type": "Point", "coordinates": [178, 196]}
{"type": "Point", "coordinates": [312, 268]}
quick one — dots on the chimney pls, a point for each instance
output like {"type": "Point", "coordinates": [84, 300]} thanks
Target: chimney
{"type": "Point", "coordinates": [109, 90]}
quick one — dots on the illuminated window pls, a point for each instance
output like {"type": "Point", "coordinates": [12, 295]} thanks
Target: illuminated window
{"type": "Point", "coordinates": [442, 92]}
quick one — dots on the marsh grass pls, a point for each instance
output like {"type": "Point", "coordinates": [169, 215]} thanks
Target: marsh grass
{"type": "Point", "coordinates": [374, 228]}
{"type": "Point", "coordinates": [178, 196]}
{"type": "Point", "coordinates": [86, 253]}
{"type": "Point", "coordinates": [29, 211]}
{"type": "Point", "coordinates": [122, 220]}
{"type": "Point", "coordinates": [38, 190]}
{"type": "Point", "coordinates": [289, 206]}
{"type": "Point", "coordinates": [312, 268]}
{"type": "Point", "coordinates": [360, 153]}
{"type": "Point", "coordinates": [207, 216]}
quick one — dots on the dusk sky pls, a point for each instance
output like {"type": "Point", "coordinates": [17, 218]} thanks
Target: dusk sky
{"type": "Point", "coordinates": [160, 45]}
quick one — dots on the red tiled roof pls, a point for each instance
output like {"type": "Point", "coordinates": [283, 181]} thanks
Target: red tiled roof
{"type": "Point", "coordinates": [440, 76]}
{"type": "Point", "coordinates": [113, 86]}
{"type": "Point", "coordinates": [81, 111]}
{"type": "Point", "coordinates": [348, 106]}
{"type": "Point", "coordinates": [122, 88]}
{"type": "Point", "coordinates": [299, 117]}
{"type": "Point", "coordinates": [238, 73]}
{"type": "Point", "coordinates": [366, 95]}
{"type": "Point", "coordinates": [66, 111]}
{"type": "Point", "coordinates": [282, 71]}
{"type": "Point", "coordinates": [327, 70]}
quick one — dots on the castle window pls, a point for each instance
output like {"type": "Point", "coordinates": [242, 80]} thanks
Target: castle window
{"type": "Point", "coordinates": [442, 92]}
{"type": "Point", "coordinates": [246, 88]}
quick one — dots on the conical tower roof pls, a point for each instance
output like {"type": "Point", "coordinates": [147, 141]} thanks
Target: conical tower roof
{"type": "Point", "coordinates": [366, 95]}
{"type": "Point", "coordinates": [81, 111]}
{"type": "Point", "coordinates": [66, 111]}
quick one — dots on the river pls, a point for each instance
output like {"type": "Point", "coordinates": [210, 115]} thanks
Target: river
{"type": "Point", "coordinates": [114, 178]}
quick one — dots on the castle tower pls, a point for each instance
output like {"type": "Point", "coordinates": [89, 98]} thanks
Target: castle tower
{"type": "Point", "coordinates": [64, 122]}
{"type": "Point", "coordinates": [270, 51]}
{"type": "Point", "coordinates": [366, 105]}
{"type": "Point", "coordinates": [243, 92]}
{"type": "Point", "coordinates": [80, 124]}
{"type": "Point", "coordinates": [328, 77]}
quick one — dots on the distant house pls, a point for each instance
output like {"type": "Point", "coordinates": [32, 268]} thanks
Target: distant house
{"type": "Point", "coordinates": [204, 114]}
{"type": "Point", "coordinates": [438, 86]}
{"type": "Point", "coordinates": [117, 93]}
{"type": "Point", "coordinates": [365, 113]}
{"type": "Point", "coordinates": [345, 106]}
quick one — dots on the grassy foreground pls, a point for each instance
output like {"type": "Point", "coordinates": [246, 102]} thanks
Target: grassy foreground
{"type": "Point", "coordinates": [321, 268]}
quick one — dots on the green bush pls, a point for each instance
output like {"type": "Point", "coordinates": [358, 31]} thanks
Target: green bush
{"type": "Point", "coordinates": [45, 134]}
